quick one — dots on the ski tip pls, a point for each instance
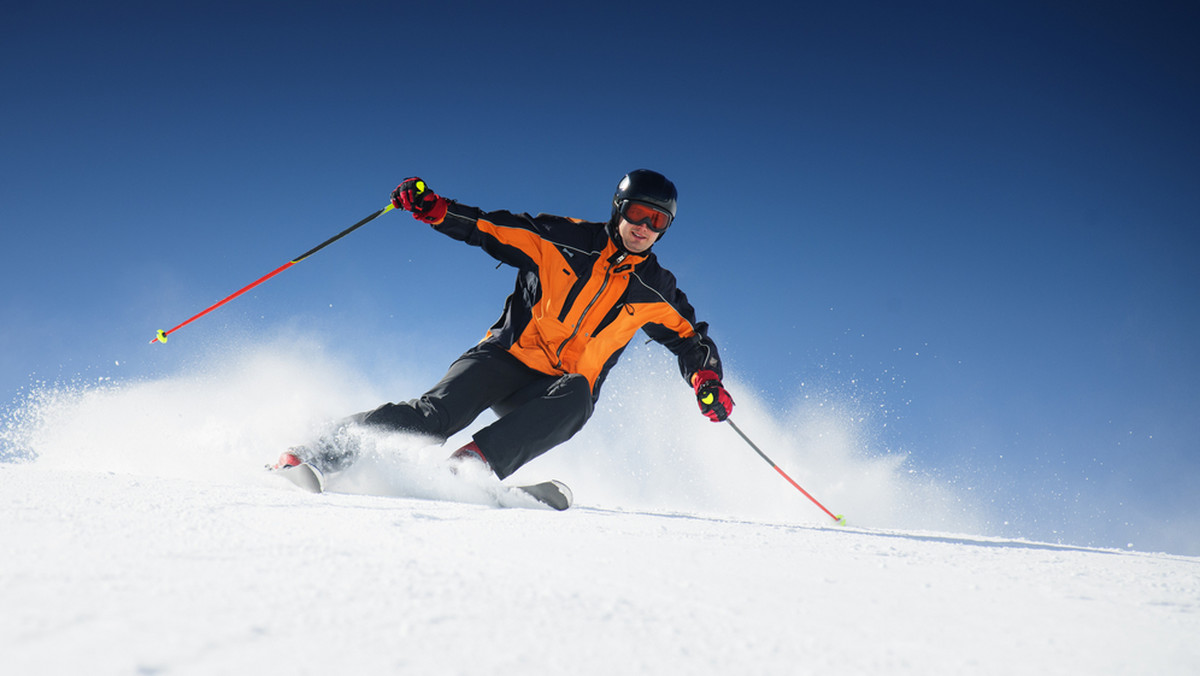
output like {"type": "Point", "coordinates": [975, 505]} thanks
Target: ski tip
{"type": "Point", "coordinates": [553, 494]}
{"type": "Point", "coordinates": [566, 492]}
{"type": "Point", "coordinates": [841, 520]}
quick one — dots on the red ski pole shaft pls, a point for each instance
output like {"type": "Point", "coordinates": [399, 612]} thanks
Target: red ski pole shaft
{"type": "Point", "coordinates": [161, 336]}
{"type": "Point", "coordinates": [839, 518]}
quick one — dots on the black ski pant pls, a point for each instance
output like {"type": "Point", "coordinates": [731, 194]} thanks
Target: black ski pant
{"type": "Point", "coordinates": [537, 411]}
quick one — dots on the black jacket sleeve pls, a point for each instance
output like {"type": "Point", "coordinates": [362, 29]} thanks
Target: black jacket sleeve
{"type": "Point", "coordinates": [696, 352]}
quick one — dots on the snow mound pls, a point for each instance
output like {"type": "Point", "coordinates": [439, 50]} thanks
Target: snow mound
{"type": "Point", "coordinates": [646, 447]}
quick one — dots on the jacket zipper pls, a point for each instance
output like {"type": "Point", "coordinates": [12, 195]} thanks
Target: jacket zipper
{"type": "Point", "coordinates": [579, 322]}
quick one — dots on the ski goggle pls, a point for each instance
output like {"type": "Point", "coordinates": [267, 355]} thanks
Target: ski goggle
{"type": "Point", "coordinates": [644, 214]}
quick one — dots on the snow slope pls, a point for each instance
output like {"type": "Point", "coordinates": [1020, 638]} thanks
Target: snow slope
{"type": "Point", "coordinates": [109, 573]}
{"type": "Point", "coordinates": [142, 537]}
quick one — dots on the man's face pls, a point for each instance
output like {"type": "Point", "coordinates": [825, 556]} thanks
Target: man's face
{"type": "Point", "coordinates": [637, 238]}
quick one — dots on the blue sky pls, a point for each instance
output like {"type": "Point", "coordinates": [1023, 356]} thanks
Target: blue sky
{"type": "Point", "coordinates": [980, 219]}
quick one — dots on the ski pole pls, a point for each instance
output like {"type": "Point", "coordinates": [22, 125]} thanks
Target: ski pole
{"type": "Point", "coordinates": [838, 518]}
{"type": "Point", "coordinates": [161, 336]}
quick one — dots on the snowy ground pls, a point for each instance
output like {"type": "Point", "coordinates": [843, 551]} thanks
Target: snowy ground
{"type": "Point", "coordinates": [141, 536]}
{"type": "Point", "coordinates": [122, 574]}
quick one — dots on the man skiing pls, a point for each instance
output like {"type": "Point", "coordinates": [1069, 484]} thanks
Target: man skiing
{"type": "Point", "coordinates": [583, 289]}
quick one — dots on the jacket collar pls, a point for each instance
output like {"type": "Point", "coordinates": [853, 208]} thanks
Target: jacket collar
{"type": "Point", "coordinates": [614, 239]}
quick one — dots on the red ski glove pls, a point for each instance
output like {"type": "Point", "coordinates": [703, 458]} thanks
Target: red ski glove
{"type": "Point", "coordinates": [413, 195]}
{"type": "Point", "coordinates": [714, 401]}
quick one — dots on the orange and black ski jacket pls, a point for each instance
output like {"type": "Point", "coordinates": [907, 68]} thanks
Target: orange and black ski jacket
{"type": "Point", "coordinates": [579, 296]}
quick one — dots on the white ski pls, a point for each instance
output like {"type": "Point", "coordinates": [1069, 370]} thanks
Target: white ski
{"type": "Point", "coordinates": [303, 475]}
{"type": "Point", "coordinates": [554, 494]}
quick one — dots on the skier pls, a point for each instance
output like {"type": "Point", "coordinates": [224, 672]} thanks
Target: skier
{"type": "Point", "coordinates": [583, 289]}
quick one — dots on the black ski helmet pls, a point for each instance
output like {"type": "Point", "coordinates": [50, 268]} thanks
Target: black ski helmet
{"type": "Point", "coordinates": [649, 187]}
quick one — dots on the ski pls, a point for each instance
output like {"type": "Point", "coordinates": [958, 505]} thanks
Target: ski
{"type": "Point", "coordinates": [303, 475]}
{"type": "Point", "coordinates": [551, 493]}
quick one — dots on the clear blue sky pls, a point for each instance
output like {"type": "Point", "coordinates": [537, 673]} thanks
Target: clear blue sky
{"type": "Point", "coordinates": [979, 218]}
